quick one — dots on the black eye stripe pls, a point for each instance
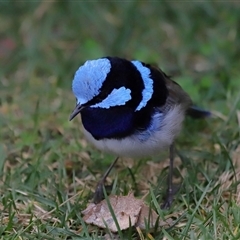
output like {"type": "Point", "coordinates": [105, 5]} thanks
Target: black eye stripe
{"type": "Point", "coordinates": [124, 74]}
{"type": "Point", "coordinates": [99, 98]}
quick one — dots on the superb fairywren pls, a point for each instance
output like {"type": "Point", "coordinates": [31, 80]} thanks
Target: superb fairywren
{"type": "Point", "coordinates": [131, 109]}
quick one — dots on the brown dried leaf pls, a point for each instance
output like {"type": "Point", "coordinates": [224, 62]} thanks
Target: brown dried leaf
{"type": "Point", "coordinates": [147, 213]}
{"type": "Point", "coordinates": [144, 216]}
{"type": "Point", "coordinates": [126, 208]}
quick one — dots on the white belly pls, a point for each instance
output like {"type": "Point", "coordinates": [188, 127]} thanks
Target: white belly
{"type": "Point", "coordinates": [145, 144]}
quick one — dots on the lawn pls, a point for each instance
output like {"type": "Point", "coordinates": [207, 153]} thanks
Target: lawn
{"type": "Point", "coordinates": [48, 171]}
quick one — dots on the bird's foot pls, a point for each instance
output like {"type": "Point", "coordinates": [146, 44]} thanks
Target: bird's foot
{"type": "Point", "coordinates": [98, 195]}
{"type": "Point", "coordinates": [170, 196]}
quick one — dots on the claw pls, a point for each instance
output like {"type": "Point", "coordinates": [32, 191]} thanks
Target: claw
{"type": "Point", "coordinates": [170, 196]}
{"type": "Point", "coordinates": [98, 194]}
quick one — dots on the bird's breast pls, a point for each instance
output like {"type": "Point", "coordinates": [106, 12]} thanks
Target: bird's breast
{"type": "Point", "coordinates": [159, 135]}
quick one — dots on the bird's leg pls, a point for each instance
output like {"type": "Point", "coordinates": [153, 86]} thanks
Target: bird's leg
{"type": "Point", "coordinates": [170, 190]}
{"type": "Point", "coordinates": [98, 195]}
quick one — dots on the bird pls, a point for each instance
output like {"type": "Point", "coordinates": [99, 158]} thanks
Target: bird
{"type": "Point", "coordinates": [130, 109]}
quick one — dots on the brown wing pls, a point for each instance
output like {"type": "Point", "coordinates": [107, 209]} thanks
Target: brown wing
{"type": "Point", "coordinates": [177, 96]}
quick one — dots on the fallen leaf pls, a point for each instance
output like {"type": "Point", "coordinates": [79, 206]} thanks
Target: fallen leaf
{"type": "Point", "coordinates": [128, 210]}
{"type": "Point", "coordinates": [147, 216]}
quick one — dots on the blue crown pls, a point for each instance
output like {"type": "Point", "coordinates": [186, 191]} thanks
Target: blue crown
{"type": "Point", "coordinates": [89, 78]}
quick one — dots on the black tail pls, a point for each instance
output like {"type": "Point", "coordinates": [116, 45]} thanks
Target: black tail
{"type": "Point", "coordinates": [196, 112]}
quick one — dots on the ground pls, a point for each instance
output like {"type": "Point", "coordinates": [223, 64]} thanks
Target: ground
{"type": "Point", "coordinates": [47, 169]}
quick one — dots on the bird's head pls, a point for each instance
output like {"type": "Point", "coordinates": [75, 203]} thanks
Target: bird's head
{"type": "Point", "coordinates": [111, 82]}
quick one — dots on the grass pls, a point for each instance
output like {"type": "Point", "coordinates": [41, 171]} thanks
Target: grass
{"type": "Point", "coordinates": [48, 171]}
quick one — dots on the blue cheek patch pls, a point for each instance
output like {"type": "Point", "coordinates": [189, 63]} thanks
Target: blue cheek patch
{"type": "Point", "coordinates": [148, 84]}
{"type": "Point", "coordinates": [89, 79]}
{"type": "Point", "coordinates": [117, 97]}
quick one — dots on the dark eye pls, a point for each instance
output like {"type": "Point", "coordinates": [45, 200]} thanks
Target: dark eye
{"type": "Point", "coordinates": [102, 96]}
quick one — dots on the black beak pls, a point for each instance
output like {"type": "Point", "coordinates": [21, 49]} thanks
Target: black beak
{"type": "Point", "coordinates": [76, 111]}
